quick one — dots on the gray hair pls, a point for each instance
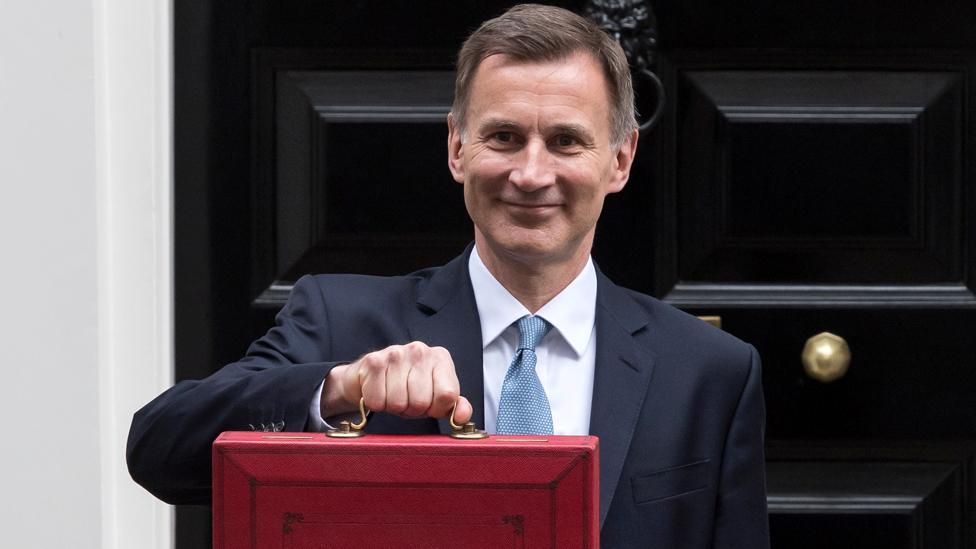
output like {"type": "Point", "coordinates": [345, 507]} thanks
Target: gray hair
{"type": "Point", "coordinates": [533, 32]}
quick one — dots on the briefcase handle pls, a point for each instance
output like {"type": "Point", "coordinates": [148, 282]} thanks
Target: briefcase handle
{"type": "Point", "coordinates": [348, 429]}
{"type": "Point", "coordinates": [468, 431]}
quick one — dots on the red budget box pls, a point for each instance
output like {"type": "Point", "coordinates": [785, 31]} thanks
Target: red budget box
{"type": "Point", "coordinates": [307, 490]}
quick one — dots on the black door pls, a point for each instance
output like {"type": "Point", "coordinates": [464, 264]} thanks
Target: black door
{"type": "Point", "coordinates": [812, 171]}
{"type": "Point", "coordinates": [815, 175]}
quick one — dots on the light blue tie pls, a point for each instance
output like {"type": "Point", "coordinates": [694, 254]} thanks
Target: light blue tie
{"type": "Point", "coordinates": [523, 408]}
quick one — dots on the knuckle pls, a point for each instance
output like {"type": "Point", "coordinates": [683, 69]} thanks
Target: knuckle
{"type": "Point", "coordinates": [394, 354]}
{"type": "Point", "coordinates": [416, 351]}
{"type": "Point", "coordinates": [370, 359]}
{"type": "Point", "coordinates": [441, 353]}
{"type": "Point", "coordinates": [416, 346]}
{"type": "Point", "coordinates": [373, 364]}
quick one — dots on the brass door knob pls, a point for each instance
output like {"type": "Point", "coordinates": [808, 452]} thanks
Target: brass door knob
{"type": "Point", "coordinates": [826, 357]}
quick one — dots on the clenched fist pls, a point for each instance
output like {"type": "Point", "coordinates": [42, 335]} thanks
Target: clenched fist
{"type": "Point", "coordinates": [411, 380]}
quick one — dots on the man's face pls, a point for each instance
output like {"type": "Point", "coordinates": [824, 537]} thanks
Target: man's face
{"type": "Point", "coordinates": [536, 160]}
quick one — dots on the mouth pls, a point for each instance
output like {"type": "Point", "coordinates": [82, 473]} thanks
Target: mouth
{"type": "Point", "coordinates": [530, 207]}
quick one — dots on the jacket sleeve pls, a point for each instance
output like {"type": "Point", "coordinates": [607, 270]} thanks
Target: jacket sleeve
{"type": "Point", "coordinates": [169, 444]}
{"type": "Point", "coordinates": [741, 519]}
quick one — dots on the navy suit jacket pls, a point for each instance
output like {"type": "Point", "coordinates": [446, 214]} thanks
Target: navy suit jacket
{"type": "Point", "coordinates": [677, 404]}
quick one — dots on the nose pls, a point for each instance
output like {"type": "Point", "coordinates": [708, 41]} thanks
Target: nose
{"type": "Point", "coordinates": [534, 169]}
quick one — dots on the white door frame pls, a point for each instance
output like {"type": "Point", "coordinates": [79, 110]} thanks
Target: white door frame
{"type": "Point", "coordinates": [133, 147]}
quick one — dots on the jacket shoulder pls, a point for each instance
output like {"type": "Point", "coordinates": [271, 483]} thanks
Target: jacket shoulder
{"type": "Point", "coordinates": [337, 288]}
{"type": "Point", "coordinates": [685, 339]}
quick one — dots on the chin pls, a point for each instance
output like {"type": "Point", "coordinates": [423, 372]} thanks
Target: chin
{"type": "Point", "coordinates": [531, 250]}
{"type": "Point", "coordinates": [526, 245]}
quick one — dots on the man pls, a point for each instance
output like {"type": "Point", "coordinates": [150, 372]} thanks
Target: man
{"type": "Point", "coordinates": [542, 129]}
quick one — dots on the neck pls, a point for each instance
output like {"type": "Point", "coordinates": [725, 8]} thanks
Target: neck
{"type": "Point", "coordinates": [532, 283]}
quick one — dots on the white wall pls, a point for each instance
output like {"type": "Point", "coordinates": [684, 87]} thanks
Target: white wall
{"type": "Point", "coordinates": [49, 277]}
{"type": "Point", "coordinates": [85, 239]}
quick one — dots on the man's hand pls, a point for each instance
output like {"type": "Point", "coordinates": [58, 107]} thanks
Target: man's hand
{"type": "Point", "coordinates": [411, 380]}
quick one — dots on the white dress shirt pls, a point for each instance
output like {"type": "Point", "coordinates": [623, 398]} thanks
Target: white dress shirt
{"type": "Point", "coordinates": [566, 355]}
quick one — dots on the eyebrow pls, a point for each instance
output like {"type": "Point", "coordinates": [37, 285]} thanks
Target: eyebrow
{"type": "Point", "coordinates": [498, 124]}
{"type": "Point", "coordinates": [577, 130]}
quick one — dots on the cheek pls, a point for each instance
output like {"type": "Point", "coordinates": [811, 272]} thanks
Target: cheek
{"type": "Point", "coordinates": [477, 199]}
{"type": "Point", "coordinates": [588, 208]}
{"type": "Point", "coordinates": [486, 175]}
{"type": "Point", "coordinates": [586, 188]}
{"type": "Point", "coordinates": [491, 167]}
{"type": "Point", "coordinates": [470, 197]}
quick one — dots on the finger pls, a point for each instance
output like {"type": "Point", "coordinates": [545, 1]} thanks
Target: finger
{"type": "Point", "coordinates": [397, 372]}
{"type": "Point", "coordinates": [463, 412]}
{"type": "Point", "coordinates": [446, 386]}
{"type": "Point", "coordinates": [372, 378]}
{"type": "Point", "coordinates": [352, 389]}
{"type": "Point", "coordinates": [420, 386]}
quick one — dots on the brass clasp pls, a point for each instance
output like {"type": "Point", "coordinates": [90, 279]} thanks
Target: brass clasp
{"type": "Point", "coordinates": [348, 429]}
{"type": "Point", "coordinates": [468, 431]}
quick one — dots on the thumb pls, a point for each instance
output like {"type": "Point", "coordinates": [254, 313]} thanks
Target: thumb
{"type": "Point", "coordinates": [463, 412]}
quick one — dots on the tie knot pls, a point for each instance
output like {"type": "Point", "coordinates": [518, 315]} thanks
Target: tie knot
{"type": "Point", "coordinates": [531, 331]}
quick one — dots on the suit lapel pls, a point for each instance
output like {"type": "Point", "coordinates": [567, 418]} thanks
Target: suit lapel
{"type": "Point", "coordinates": [451, 321]}
{"type": "Point", "coordinates": [623, 372]}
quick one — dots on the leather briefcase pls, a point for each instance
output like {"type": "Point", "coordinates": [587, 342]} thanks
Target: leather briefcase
{"type": "Point", "coordinates": [311, 490]}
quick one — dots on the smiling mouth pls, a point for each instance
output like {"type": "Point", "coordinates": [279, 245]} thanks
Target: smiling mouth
{"type": "Point", "coordinates": [530, 207]}
{"type": "Point", "coordinates": [531, 215]}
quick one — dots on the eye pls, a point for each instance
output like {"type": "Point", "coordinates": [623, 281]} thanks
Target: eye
{"type": "Point", "coordinates": [503, 140]}
{"type": "Point", "coordinates": [565, 141]}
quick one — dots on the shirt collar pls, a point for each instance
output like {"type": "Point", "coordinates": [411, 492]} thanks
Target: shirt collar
{"type": "Point", "coordinates": [571, 312]}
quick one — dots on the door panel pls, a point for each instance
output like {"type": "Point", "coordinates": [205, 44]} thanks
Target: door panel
{"type": "Point", "coordinates": [818, 177]}
{"type": "Point", "coordinates": [881, 494]}
{"type": "Point", "coordinates": [867, 504]}
{"type": "Point", "coordinates": [351, 166]}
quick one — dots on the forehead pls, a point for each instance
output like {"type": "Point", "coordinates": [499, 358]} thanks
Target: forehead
{"type": "Point", "coordinates": [574, 84]}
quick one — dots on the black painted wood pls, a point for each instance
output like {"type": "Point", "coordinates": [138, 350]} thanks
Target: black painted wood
{"type": "Point", "coordinates": [721, 296]}
{"type": "Point", "coordinates": [330, 206]}
{"type": "Point", "coordinates": [888, 266]}
{"type": "Point", "coordinates": [815, 24]}
{"type": "Point", "coordinates": [865, 505]}
{"type": "Point", "coordinates": [871, 493]}
{"type": "Point", "coordinates": [773, 108]}
{"type": "Point", "coordinates": [819, 177]}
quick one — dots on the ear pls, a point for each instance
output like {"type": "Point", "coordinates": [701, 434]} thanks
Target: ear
{"type": "Point", "coordinates": [622, 163]}
{"type": "Point", "coordinates": [455, 158]}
